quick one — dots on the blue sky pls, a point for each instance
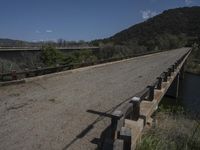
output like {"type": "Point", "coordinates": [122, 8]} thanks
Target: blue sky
{"type": "Point", "coordinates": [35, 20]}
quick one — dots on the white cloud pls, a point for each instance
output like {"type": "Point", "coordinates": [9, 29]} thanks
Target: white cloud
{"type": "Point", "coordinates": [148, 14]}
{"type": "Point", "coordinates": [188, 2]}
{"type": "Point", "coordinates": [49, 31]}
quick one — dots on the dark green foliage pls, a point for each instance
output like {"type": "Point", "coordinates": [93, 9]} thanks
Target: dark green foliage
{"type": "Point", "coordinates": [51, 56]}
{"type": "Point", "coordinates": [79, 57]}
{"type": "Point", "coordinates": [193, 64]}
{"type": "Point", "coordinates": [171, 29]}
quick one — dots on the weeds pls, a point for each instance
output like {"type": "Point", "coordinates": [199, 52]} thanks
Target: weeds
{"type": "Point", "coordinates": [174, 129]}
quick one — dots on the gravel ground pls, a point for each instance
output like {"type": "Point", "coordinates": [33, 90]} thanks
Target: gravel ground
{"type": "Point", "coordinates": [51, 113]}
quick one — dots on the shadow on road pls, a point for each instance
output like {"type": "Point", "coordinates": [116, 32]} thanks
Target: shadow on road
{"type": "Point", "coordinates": [101, 116]}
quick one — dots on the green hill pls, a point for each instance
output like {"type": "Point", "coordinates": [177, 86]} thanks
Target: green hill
{"type": "Point", "coordinates": [170, 29]}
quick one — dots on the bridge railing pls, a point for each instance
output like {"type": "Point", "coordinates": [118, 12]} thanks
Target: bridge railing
{"type": "Point", "coordinates": [14, 75]}
{"type": "Point", "coordinates": [120, 135]}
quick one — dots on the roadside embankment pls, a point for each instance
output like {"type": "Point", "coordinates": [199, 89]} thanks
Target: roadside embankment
{"type": "Point", "coordinates": [174, 128]}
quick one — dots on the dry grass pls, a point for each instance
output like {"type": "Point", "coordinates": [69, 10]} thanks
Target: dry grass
{"type": "Point", "coordinates": [172, 131]}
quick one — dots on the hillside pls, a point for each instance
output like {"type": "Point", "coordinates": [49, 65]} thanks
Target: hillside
{"type": "Point", "coordinates": [175, 21]}
{"type": "Point", "coordinates": [170, 29]}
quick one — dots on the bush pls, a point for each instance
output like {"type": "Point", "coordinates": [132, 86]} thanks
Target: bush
{"type": "Point", "coordinates": [51, 56]}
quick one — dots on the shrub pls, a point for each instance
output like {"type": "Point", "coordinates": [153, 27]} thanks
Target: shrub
{"type": "Point", "coordinates": [51, 56]}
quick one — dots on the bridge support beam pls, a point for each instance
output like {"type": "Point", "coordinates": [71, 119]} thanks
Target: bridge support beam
{"type": "Point", "coordinates": [173, 90]}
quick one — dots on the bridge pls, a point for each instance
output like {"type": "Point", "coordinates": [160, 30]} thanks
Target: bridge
{"type": "Point", "coordinates": [104, 106]}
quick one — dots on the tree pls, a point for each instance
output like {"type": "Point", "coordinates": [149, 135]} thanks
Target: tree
{"type": "Point", "coordinates": [51, 56]}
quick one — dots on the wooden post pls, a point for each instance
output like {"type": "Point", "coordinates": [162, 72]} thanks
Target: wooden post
{"type": "Point", "coordinates": [165, 77]}
{"type": "Point", "coordinates": [151, 93]}
{"type": "Point", "coordinates": [125, 135]}
{"type": "Point", "coordinates": [136, 107]}
{"type": "Point", "coordinates": [159, 85]}
{"type": "Point", "coordinates": [116, 116]}
{"type": "Point", "coordinates": [14, 75]}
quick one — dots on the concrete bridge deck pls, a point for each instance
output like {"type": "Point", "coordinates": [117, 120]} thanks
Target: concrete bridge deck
{"type": "Point", "coordinates": [51, 113]}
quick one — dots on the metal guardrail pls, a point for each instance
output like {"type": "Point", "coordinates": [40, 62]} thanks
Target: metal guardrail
{"type": "Point", "coordinates": [121, 135]}
{"type": "Point", "coordinates": [13, 75]}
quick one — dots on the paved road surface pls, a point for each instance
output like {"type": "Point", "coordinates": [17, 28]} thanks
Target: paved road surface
{"type": "Point", "coordinates": [51, 113]}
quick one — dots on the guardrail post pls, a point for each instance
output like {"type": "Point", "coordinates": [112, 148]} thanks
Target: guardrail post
{"type": "Point", "coordinates": [173, 68]}
{"type": "Point", "coordinates": [159, 85]}
{"type": "Point", "coordinates": [136, 107]}
{"type": "Point", "coordinates": [125, 135]}
{"type": "Point", "coordinates": [151, 92]}
{"type": "Point", "coordinates": [176, 65]}
{"type": "Point", "coordinates": [178, 61]}
{"type": "Point", "coordinates": [14, 75]}
{"type": "Point", "coordinates": [116, 116]}
{"type": "Point", "coordinates": [165, 76]}
{"type": "Point", "coordinates": [118, 144]}
{"type": "Point", "coordinates": [169, 72]}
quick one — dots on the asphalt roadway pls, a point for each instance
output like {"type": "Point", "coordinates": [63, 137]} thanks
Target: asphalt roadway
{"type": "Point", "coordinates": [51, 113]}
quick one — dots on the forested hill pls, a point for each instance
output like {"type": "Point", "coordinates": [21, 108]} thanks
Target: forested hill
{"type": "Point", "coordinates": [173, 28]}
